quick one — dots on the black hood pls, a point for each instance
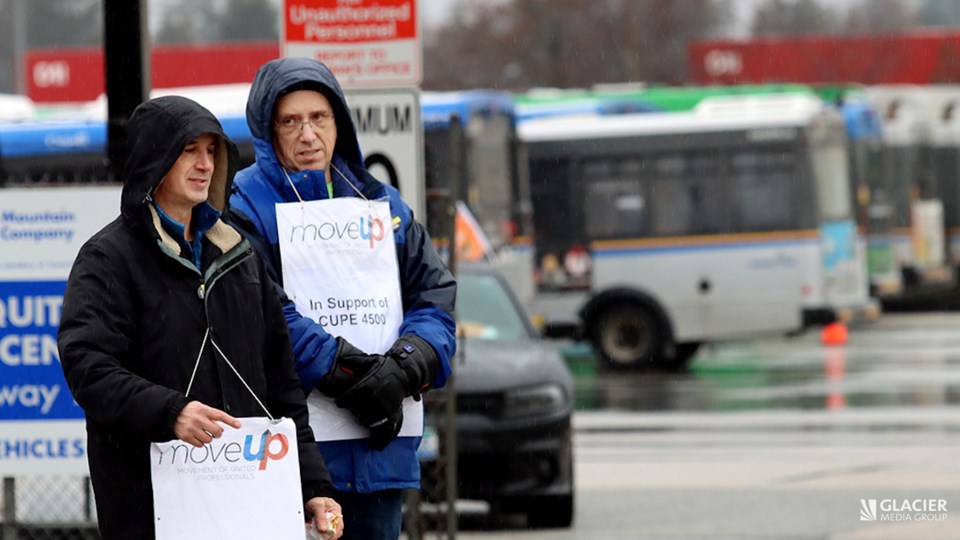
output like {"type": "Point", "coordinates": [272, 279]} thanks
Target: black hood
{"type": "Point", "coordinates": [158, 132]}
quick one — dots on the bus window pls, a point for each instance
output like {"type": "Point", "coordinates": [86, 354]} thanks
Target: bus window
{"type": "Point", "coordinates": [674, 203]}
{"type": "Point", "coordinates": [708, 173]}
{"type": "Point", "coordinates": [766, 179]}
{"type": "Point", "coordinates": [614, 200]}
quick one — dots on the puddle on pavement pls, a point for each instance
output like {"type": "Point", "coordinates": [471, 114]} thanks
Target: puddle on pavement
{"type": "Point", "coordinates": [741, 378]}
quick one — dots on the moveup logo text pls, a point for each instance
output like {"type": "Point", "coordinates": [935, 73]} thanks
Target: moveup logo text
{"type": "Point", "coordinates": [368, 229]}
{"type": "Point", "coordinates": [903, 509]}
{"type": "Point", "coordinates": [269, 447]}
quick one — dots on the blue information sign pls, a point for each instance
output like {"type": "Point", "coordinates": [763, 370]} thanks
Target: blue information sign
{"type": "Point", "coordinates": [32, 386]}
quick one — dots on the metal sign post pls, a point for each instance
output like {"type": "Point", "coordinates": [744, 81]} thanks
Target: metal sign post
{"type": "Point", "coordinates": [127, 64]}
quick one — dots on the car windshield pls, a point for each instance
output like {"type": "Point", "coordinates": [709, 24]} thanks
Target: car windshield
{"type": "Point", "coordinates": [484, 309]}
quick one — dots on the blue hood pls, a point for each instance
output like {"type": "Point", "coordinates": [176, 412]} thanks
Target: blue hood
{"type": "Point", "coordinates": [273, 80]}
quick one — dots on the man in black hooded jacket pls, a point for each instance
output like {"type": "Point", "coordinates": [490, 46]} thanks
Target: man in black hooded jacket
{"type": "Point", "coordinates": [144, 296]}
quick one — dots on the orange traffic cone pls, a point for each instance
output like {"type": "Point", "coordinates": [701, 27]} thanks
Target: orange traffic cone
{"type": "Point", "coordinates": [834, 334]}
{"type": "Point", "coordinates": [835, 367]}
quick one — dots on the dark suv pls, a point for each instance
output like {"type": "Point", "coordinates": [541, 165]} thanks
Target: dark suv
{"type": "Point", "coordinates": [514, 397]}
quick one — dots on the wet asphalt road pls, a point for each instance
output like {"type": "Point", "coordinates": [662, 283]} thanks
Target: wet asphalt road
{"type": "Point", "coordinates": [773, 438]}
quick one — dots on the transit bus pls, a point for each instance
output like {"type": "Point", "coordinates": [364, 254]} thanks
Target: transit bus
{"type": "Point", "coordinates": [15, 107]}
{"type": "Point", "coordinates": [657, 232]}
{"type": "Point", "coordinates": [70, 146]}
{"type": "Point", "coordinates": [944, 161]}
{"type": "Point", "coordinates": [909, 183]}
{"type": "Point", "coordinates": [874, 208]}
{"type": "Point", "coordinates": [551, 102]}
{"type": "Point", "coordinates": [874, 213]}
{"type": "Point", "coordinates": [469, 156]}
{"type": "Point", "coordinates": [865, 150]}
{"type": "Point", "coordinates": [53, 152]}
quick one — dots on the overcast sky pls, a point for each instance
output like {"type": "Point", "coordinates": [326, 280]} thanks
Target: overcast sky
{"type": "Point", "coordinates": [433, 12]}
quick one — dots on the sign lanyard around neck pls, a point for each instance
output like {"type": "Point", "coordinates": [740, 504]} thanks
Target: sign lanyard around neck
{"type": "Point", "coordinates": [330, 190]}
{"type": "Point", "coordinates": [206, 337]}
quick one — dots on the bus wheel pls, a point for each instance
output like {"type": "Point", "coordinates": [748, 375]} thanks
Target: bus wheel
{"type": "Point", "coordinates": [627, 336]}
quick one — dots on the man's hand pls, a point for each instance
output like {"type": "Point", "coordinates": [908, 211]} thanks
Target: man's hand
{"type": "Point", "coordinates": [350, 364]}
{"type": "Point", "coordinates": [376, 401]}
{"type": "Point", "coordinates": [326, 517]}
{"type": "Point", "coordinates": [197, 424]}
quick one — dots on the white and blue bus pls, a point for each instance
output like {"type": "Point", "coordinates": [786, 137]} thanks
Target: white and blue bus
{"type": "Point", "coordinates": [657, 232]}
{"type": "Point", "coordinates": [910, 186]}
{"type": "Point", "coordinates": [468, 156]}
{"type": "Point", "coordinates": [70, 146]}
{"type": "Point", "coordinates": [874, 210]}
{"type": "Point", "coordinates": [944, 162]}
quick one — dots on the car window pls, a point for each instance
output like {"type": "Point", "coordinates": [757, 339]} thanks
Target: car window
{"type": "Point", "coordinates": [484, 310]}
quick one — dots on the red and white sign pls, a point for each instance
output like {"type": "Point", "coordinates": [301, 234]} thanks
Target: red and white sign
{"type": "Point", "coordinates": [366, 43]}
{"type": "Point", "coordinates": [76, 74]}
{"type": "Point", "coordinates": [903, 58]}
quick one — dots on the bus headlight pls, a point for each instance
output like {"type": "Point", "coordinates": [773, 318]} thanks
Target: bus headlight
{"type": "Point", "coordinates": [534, 400]}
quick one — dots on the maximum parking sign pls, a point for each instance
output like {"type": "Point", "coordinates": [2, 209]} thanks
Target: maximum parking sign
{"type": "Point", "coordinates": [391, 138]}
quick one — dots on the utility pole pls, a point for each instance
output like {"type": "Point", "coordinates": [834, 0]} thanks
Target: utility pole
{"type": "Point", "coordinates": [126, 47]}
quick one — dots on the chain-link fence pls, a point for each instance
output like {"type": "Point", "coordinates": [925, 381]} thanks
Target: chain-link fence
{"type": "Point", "coordinates": [62, 508]}
{"type": "Point", "coordinates": [47, 508]}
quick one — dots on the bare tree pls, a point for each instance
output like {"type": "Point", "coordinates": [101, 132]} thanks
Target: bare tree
{"type": "Point", "coordinates": [207, 21]}
{"type": "Point", "coordinates": [8, 49]}
{"type": "Point", "coordinates": [567, 43]}
{"type": "Point", "coordinates": [54, 23]}
{"type": "Point", "coordinates": [189, 21]}
{"type": "Point", "coordinates": [245, 20]}
{"type": "Point", "coordinates": [939, 13]}
{"type": "Point", "coordinates": [879, 16]}
{"type": "Point", "coordinates": [779, 17]}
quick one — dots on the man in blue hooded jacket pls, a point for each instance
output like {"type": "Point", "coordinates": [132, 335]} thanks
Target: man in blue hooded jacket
{"type": "Point", "coordinates": [307, 154]}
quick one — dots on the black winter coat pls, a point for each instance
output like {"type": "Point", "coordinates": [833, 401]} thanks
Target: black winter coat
{"type": "Point", "coordinates": [135, 314]}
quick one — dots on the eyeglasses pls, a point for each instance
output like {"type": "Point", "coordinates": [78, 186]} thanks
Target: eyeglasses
{"type": "Point", "coordinates": [290, 124]}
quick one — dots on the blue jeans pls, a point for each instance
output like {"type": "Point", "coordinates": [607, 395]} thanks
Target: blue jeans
{"type": "Point", "coordinates": [371, 516]}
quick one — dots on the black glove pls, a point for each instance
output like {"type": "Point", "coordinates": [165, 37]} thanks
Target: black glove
{"type": "Point", "coordinates": [407, 369]}
{"type": "Point", "coordinates": [418, 361]}
{"type": "Point", "coordinates": [350, 364]}
{"type": "Point", "coordinates": [385, 430]}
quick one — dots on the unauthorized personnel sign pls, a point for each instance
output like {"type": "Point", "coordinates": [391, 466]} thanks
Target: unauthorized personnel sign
{"type": "Point", "coordinates": [390, 134]}
{"type": "Point", "coordinates": [366, 43]}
